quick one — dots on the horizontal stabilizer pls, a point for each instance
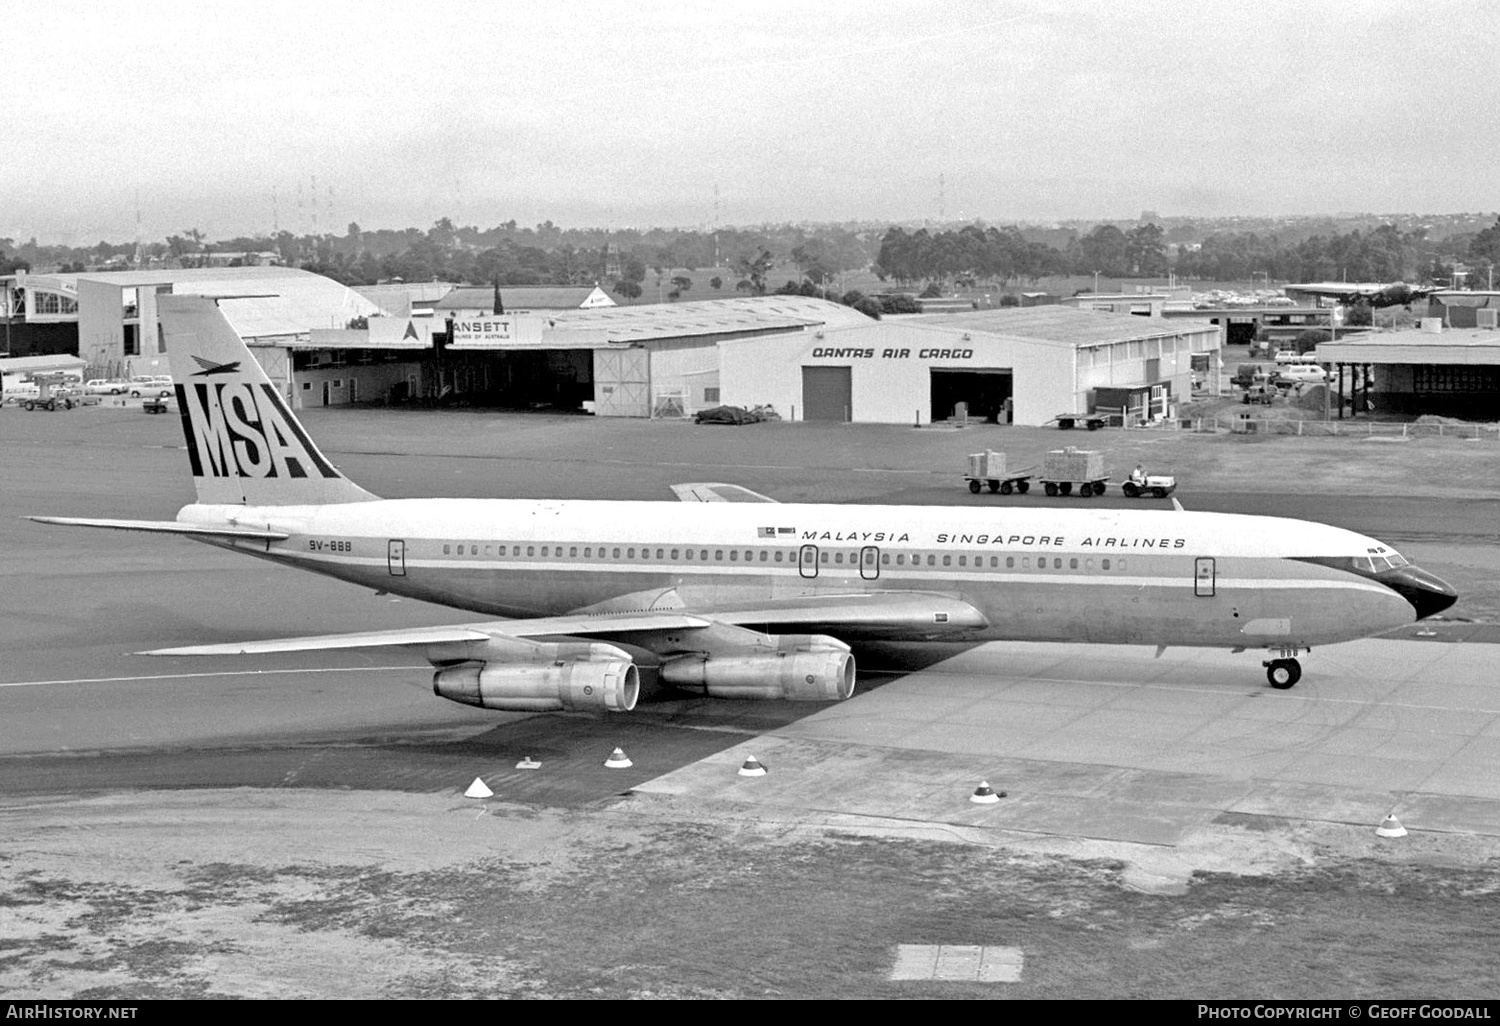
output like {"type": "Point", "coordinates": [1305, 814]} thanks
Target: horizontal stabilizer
{"type": "Point", "coordinates": [167, 527]}
{"type": "Point", "coordinates": [714, 491]}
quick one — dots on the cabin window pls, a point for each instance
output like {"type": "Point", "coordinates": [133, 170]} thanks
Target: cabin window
{"type": "Point", "coordinates": [614, 553]}
{"type": "Point", "coordinates": [1025, 562]}
{"type": "Point", "coordinates": [588, 551]}
{"type": "Point", "coordinates": [823, 558]}
{"type": "Point", "coordinates": [1010, 562]}
{"type": "Point", "coordinates": [749, 555]}
{"type": "Point", "coordinates": [703, 554]}
{"type": "Point", "coordinates": [718, 555]}
{"type": "Point", "coordinates": [778, 555]}
{"type": "Point", "coordinates": [900, 559]}
{"type": "Point", "coordinates": [885, 558]}
{"type": "Point", "coordinates": [734, 555]}
{"type": "Point", "coordinates": [659, 554]}
{"type": "Point", "coordinates": [1072, 564]}
{"type": "Point", "coordinates": [947, 560]}
{"type": "Point", "coordinates": [445, 550]}
{"type": "Point", "coordinates": [546, 550]}
{"type": "Point", "coordinates": [963, 560]}
{"type": "Point", "coordinates": [932, 561]}
{"type": "Point", "coordinates": [764, 555]}
{"type": "Point", "coordinates": [688, 553]}
{"type": "Point", "coordinates": [838, 557]}
{"type": "Point", "coordinates": [994, 562]}
{"type": "Point", "coordinates": [630, 553]}
{"type": "Point", "coordinates": [573, 552]}
{"type": "Point", "coordinates": [674, 553]}
{"type": "Point", "coordinates": [1104, 563]}
{"type": "Point", "coordinates": [473, 550]}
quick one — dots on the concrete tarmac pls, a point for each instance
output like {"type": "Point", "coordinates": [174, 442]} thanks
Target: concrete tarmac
{"type": "Point", "coordinates": [1088, 741]}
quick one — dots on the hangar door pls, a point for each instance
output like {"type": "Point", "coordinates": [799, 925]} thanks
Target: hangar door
{"type": "Point", "coordinates": [827, 393]}
{"type": "Point", "coordinates": [622, 382]}
{"type": "Point", "coordinates": [985, 391]}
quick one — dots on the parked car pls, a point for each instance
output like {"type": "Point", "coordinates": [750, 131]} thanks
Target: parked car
{"type": "Point", "coordinates": [150, 385]}
{"type": "Point", "coordinates": [106, 386]}
{"type": "Point", "coordinates": [1302, 373]}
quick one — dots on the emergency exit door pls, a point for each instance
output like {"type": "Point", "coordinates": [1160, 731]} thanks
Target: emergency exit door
{"type": "Point", "coordinates": [1203, 577]}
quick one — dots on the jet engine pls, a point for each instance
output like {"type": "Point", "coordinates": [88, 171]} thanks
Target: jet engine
{"type": "Point", "coordinates": [802, 668]}
{"type": "Point", "coordinates": [548, 678]}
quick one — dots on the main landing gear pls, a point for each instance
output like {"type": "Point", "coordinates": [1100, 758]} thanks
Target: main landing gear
{"type": "Point", "coordinates": [1283, 672]}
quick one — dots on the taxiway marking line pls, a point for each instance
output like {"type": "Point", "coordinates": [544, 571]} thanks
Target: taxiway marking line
{"type": "Point", "coordinates": [216, 673]}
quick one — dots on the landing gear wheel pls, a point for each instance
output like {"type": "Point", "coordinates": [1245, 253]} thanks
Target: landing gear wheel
{"type": "Point", "coordinates": [1050, 488]}
{"type": "Point", "coordinates": [1005, 488]}
{"type": "Point", "coordinates": [1283, 673]}
{"type": "Point", "coordinates": [974, 487]}
{"type": "Point", "coordinates": [994, 486]}
{"type": "Point", "coordinates": [1066, 488]}
{"type": "Point", "coordinates": [1023, 487]}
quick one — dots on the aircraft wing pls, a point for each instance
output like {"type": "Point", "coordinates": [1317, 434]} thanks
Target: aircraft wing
{"type": "Point", "coordinates": [412, 636]}
{"type": "Point", "coordinates": [715, 491]}
{"type": "Point", "coordinates": [876, 614]}
{"type": "Point", "coordinates": [167, 527]}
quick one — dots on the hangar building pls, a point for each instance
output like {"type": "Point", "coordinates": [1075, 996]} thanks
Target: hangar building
{"type": "Point", "coordinates": [1035, 362]}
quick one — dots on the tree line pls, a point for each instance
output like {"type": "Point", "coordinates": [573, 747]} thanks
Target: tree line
{"type": "Point", "coordinates": [625, 259]}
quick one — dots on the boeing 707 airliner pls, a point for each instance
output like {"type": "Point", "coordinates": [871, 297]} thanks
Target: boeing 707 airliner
{"type": "Point", "coordinates": [752, 599]}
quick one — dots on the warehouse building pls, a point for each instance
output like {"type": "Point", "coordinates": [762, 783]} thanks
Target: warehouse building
{"type": "Point", "coordinates": [1432, 369]}
{"type": "Point", "coordinates": [1022, 365]}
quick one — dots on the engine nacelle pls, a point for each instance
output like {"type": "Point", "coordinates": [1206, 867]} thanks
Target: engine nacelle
{"type": "Point", "coordinates": [593, 685]}
{"type": "Point", "coordinates": [818, 676]}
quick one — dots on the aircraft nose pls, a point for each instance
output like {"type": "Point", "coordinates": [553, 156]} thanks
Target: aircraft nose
{"type": "Point", "coordinates": [1427, 593]}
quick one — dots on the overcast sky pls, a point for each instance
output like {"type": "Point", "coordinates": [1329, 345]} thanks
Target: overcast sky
{"type": "Point", "coordinates": [622, 114]}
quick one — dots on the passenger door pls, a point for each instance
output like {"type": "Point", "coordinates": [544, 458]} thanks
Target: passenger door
{"type": "Point", "coordinates": [395, 557]}
{"type": "Point", "coordinates": [869, 562]}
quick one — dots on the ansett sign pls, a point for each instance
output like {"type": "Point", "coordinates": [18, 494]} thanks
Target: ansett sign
{"type": "Point", "coordinates": [496, 330]}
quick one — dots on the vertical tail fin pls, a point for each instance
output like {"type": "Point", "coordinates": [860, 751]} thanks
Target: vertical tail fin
{"type": "Point", "coordinates": [244, 444]}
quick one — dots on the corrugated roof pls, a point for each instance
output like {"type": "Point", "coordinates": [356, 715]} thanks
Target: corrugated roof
{"type": "Point", "coordinates": [705, 317]}
{"type": "Point", "coordinates": [551, 297]}
{"type": "Point", "coordinates": [1061, 324]}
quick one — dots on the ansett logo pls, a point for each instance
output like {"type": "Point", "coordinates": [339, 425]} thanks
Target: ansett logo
{"type": "Point", "coordinates": [237, 429]}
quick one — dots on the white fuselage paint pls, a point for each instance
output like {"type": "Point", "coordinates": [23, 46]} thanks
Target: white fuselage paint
{"type": "Point", "coordinates": [1041, 574]}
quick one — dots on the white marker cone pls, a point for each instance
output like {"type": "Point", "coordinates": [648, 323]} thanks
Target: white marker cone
{"type": "Point", "coordinates": [984, 794]}
{"type": "Point", "coordinates": [1390, 827]}
{"type": "Point", "coordinates": [618, 760]}
{"type": "Point", "coordinates": [479, 789]}
{"type": "Point", "coordinates": [528, 763]}
{"type": "Point", "coordinates": [751, 768]}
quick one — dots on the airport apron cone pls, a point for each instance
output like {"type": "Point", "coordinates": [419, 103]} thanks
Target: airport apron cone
{"type": "Point", "coordinates": [1390, 827]}
{"type": "Point", "coordinates": [479, 789]}
{"type": "Point", "coordinates": [618, 760]}
{"type": "Point", "coordinates": [984, 794]}
{"type": "Point", "coordinates": [751, 768]}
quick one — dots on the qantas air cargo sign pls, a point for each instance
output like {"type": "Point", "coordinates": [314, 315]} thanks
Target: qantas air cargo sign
{"type": "Point", "coordinates": [239, 429]}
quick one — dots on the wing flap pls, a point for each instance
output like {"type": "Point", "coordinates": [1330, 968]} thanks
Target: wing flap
{"type": "Point", "coordinates": [166, 527]}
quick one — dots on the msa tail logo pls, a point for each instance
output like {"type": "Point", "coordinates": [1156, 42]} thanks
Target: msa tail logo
{"type": "Point", "coordinates": [239, 429]}
{"type": "Point", "coordinates": [209, 367]}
